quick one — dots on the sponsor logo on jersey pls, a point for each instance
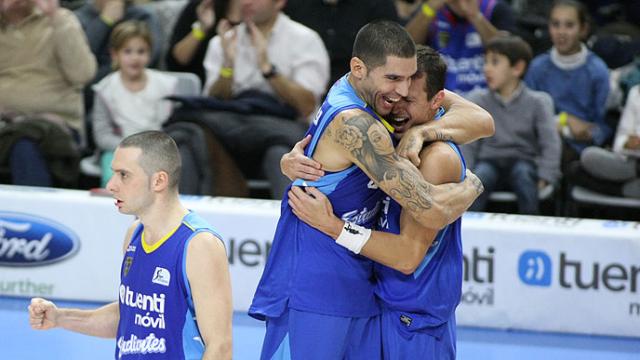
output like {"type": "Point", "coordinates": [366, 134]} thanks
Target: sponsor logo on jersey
{"type": "Point", "coordinates": [149, 345]}
{"type": "Point", "coordinates": [161, 276]}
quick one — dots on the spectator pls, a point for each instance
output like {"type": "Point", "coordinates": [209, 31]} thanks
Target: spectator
{"type": "Point", "coordinates": [524, 153]}
{"type": "Point", "coordinates": [131, 99]}
{"type": "Point", "coordinates": [194, 29]}
{"type": "Point", "coordinates": [273, 57]}
{"type": "Point", "coordinates": [576, 78]}
{"type": "Point", "coordinates": [44, 62]}
{"type": "Point", "coordinates": [337, 22]}
{"type": "Point", "coordinates": [615, 172]}
{"type": "Point", "coordinates": [458, 29]}
{"type": "Point", "coordinates": [98, 18]}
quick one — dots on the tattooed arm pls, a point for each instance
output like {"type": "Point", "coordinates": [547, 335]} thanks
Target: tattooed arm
{"type": "Point", "coordinates": [463, 123]}
{"type": "Point", "coordinates": [403, 252]}
{"type": "Point", "coordinates": [366, 143]}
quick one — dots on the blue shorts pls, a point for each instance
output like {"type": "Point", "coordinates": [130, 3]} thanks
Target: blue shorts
{"type": "Point", "coordinates": [399, 343]}
{"type": "Point", "coordinates": [309, 336]}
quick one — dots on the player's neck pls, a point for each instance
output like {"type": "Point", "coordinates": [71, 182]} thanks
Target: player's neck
{"type": "Point", "coordinates": [162, 218]}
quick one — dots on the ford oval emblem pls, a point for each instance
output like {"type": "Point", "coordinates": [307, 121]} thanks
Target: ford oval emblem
{"type": "Point", "coordinates": [28, 240]}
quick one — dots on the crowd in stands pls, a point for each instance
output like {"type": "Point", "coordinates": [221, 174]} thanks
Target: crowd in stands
{"type": "Point", "coordinates": [561, 79]}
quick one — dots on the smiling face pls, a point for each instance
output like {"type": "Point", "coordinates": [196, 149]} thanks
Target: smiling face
{"type": "Point", "coordinates": [566, 29]}
{"type": "Point", "coordinates": [385, 85]}
{"type": "Point", "coordinates": [130, 185]}
{"type": "Point", "coordinates": [414, 109]}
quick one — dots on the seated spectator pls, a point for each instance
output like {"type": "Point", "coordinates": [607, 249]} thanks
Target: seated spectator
{"type": "Point", "coordinates": [98, 19]}
{"type": "Point", "coordinates": [272, 57]}
{"type": "Point", "coordinates": [615, 172]}
{"type": "Point", "coordinates": [195, 27]}
{"type": "Point", "coordinates": [44, 61]}
{"type": "Point", "coordinates": [458, 29]}
{"type": "Point", "coordinates": [337, 22]}
{"type": "Point", "coordinates": [132, 98]}
{"type": "Point", "coordinates": [524, 154]}
{"type": "Point", "coordinates": [576, 78]}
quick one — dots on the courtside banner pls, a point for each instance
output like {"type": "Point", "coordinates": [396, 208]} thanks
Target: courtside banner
{"type": "Point", "coordinates": [551, 274]}
{"type": "Point", "coordinates": [521, 272]}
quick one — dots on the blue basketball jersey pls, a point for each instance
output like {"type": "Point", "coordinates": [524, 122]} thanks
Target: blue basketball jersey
{"type": "Point", "coordinates": [426, 299]}
{"type": "Point", "coordinates": [306, 270]}
{"type": "Point", "coordinates": [157, 315]}
{"type": "Point", "coordinates": [461, 46]}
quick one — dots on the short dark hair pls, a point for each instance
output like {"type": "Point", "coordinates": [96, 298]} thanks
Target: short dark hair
{"type": "Point", "coordinates": [511, 46]}
{"type": "Point", "coordinates": [379, 39]}
{"type": "Point", "coordinates": [159, 153]}
{"type": "Point", "coordinates": [433, 66]}
{"type": "Point", "coordinates": [583, 14]}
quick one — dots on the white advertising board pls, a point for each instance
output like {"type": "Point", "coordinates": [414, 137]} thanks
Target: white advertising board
{"type": "Point", "coordinates": [521, 272]}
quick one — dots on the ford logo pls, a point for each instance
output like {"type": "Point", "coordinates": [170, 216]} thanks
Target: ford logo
{"type": "Point", "coordinates": [27, 240]}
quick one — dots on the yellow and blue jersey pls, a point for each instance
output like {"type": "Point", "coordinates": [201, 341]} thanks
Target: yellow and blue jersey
{"type": "Point", "coordinates": [157, 314]}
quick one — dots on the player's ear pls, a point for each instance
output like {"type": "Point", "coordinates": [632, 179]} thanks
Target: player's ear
{"type": "Point", "coordinates": [437, 100]}
{"type": "Point", "coordinates": [160, 181]}
{"type": "Point", "coordinates": [358, 68]}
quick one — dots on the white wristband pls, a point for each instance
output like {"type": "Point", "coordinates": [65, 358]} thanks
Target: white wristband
{"type": "Point", "coordinates": [353, 237]}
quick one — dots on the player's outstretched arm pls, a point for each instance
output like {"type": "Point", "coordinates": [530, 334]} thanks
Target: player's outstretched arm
{"type": "Point", "coordinates": [101, 322]}
{"type": "Point", "coordinates": [403, 252]}
{"type": "Point", "coordinates": [462, 123]}
{"type": "Point", "coordinates": [208, 274]}
{"type": "Point", "coordinates": [366, 143]}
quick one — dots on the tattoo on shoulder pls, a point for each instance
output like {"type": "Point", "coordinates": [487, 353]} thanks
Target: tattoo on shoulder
{"type": "Point", "coordinates": [372, 146]}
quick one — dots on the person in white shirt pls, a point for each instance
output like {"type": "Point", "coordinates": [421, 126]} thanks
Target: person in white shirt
{"type": "Point", "coordinates": [271, 54]}
{"type": "Point", "coordinates": [132, 98]}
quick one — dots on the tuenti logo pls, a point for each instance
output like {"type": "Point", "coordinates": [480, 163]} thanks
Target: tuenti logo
{"type": "Point", "coordinates": [534, 268]}
{"type": "Point", "coordinates": [27, 240]}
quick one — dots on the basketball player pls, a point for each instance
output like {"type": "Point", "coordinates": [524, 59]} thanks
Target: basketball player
{"type": "Point", "coordinates": [175, 294]}
{"type": "Point", "coordinates": [318, 297]}
{"type": "Point", "coordinates": [420, 286]}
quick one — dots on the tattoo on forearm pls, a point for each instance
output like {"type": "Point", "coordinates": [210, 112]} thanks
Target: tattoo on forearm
{"type": "Point", "coordinates": [371, 145]}
{"type": "Point", "coordinates": [438, 135]}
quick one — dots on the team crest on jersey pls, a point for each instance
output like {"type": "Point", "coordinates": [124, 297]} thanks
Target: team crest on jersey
{"type": "Point", "coordinates": [161, 276]}
{"type": "Point", "coordinates": [127, 265]}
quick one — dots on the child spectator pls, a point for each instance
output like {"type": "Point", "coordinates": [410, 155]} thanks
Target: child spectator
{"type": "Point", "coordinates": [576, 78]}
{"type": "Point", "coordinates": [615, 172]}
{"type": "Point", "coordinates": [524, 154]}
{"type": "Point", "coordinates": [130, 99]}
